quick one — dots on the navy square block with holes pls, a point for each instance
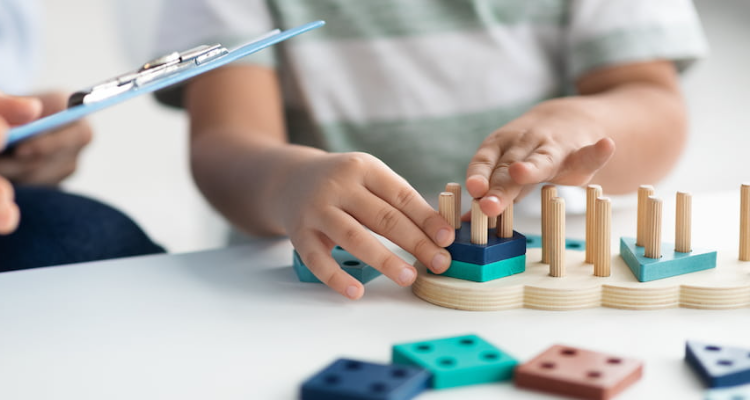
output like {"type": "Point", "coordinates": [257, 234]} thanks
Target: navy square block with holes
{"type": "Point", "coordinates": [496, 249]}
{"type": "Point", "coordinates": [719, 366]}
{"type": "Point", "coordinates": [347, 379]}
{"type": "Point", "coordinates": [457, 361]}
{"type": "Point", "coordinates": [350, 264]}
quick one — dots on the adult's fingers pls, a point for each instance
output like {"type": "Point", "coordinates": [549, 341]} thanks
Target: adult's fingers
{"type": "Point", "coordinates": [19, 110]}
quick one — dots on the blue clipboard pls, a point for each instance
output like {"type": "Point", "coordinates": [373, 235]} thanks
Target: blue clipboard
{"type": "Point", "coordinates": [153, 76]}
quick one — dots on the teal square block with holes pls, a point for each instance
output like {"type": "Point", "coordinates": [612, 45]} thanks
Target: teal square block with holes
{"type": "Point", "coordinates": [671, 263]}
{"type": "Point", "coordinates": [350, 264]}
{"type": "Point", "coordinates": [535, 242]}
{"type": "Point", "coordinates": [457, 361]}
{"type": "Point", "coordinates": [487, 272]}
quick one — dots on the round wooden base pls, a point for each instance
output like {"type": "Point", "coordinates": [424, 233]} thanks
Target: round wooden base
{"type": "Point", "coordinates": [726, 286]}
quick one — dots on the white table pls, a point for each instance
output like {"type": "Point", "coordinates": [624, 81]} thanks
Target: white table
{"type": "Point", "coordinates": [236, 324]}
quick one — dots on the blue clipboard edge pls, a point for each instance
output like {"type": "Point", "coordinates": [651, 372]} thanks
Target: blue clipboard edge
{"type": "Point", "coordinates": [75, 113]}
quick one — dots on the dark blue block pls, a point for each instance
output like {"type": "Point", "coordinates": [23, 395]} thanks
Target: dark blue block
{"type": "Point", "coordinates": [347, 379]}
{"type": "Point", "coordinates": [496, 249]}
{"type": "Point", "coordinates": [719, 366]}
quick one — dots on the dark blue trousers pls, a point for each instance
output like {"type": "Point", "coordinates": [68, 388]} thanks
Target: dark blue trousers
{"type": "Point", "coordinates": [61, 228]}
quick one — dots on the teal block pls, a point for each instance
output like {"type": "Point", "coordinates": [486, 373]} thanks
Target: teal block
{"type": "Point", "coordinates": [671, 263]}
{"type": "Point", "coordinates": [487, 272]}
{"type": "Point", "coordinates": [350, 264]}
{"type": "Point", "coordinates": [535, 242]}
{"type": "Point", "coordinates": [457, 361]}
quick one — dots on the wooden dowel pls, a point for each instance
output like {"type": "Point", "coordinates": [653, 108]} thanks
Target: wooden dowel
{"type": "Point", "coordinates": [548, 192]}
{"type": "Point", "coordinates": [683, 223]}
{"type": "Point", "coordinates": [478, 224]}
{"type": "Point", "coordinates": [455, 188]}
{"type": "Point", "coordinates": [653, 227]}
{"type": "Point", "coordinates": [603, 253]}
{"type": "Point", "coordinates": [446, 207]}
{"type": "Point", "coordinates": [592, 193]}
{"type": "Point", "coordinates": [492, 222]}
{"type": "Point", "coordinates": [643, 194]}
{"type": "Point", "coordinates": [505, 223]}
{"type": "Point", "coordinates": [745, 222]}
{"type": "Point", "coordinates": [557, 237]}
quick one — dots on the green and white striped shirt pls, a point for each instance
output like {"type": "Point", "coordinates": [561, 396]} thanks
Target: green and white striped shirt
{"type": "Point", "coordinates": [420, 83]}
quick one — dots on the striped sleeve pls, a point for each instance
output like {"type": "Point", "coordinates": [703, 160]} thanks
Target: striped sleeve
{"type": "Point", "coordinates": [184, 24]}
{"type": "Point", "coordinates": [611, 32]}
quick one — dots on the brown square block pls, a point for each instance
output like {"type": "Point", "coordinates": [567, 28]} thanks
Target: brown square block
{"type": "Point", "coordinates": [578, 373]}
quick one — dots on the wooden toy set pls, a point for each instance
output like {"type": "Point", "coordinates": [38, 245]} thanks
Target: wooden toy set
{"type": "Point", "coordinates": [647, 274]}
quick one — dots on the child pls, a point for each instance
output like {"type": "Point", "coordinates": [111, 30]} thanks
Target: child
{"type": "Point", "coordinates": [322, 136]}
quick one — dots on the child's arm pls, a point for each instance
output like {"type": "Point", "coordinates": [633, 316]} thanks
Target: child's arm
{"type": "Point", "coordinates": [242, 162]}
{"type": "Point", "coordinates": [636, 108]}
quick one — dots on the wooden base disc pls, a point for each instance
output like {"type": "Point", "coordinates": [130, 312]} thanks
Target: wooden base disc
{"type": "Point", "coordinates": [724, 287]}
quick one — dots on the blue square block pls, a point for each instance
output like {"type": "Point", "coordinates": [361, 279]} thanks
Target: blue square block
{"type": "Point", "coordinates": [487, 272]}
{"type": "Point", "coordinates": [350, 264]}
{"type": "Point", "coordinates": [457, 361]}
{"type": "Point", "coordinates": [496, 249]}
{"type": "Point", "coordinates": [357, 380]}
{"type": "Point", "coordinates": [671, 263]}
{"type": "Point", "coordinates": [719, 366]}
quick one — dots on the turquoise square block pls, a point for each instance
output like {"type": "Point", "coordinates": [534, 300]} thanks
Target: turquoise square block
{"type": "Point", "coordinates": [487, 272]}
{"type": "Point", "coordinates": [457, 361]}
{"type": "Point", "coordinates": [671, 263]}
{"type": "Point", "coordinates": [535, 242]}
{"type": "Point", "coordinates": [350, 264]}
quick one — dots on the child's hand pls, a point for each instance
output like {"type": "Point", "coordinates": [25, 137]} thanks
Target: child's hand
{"type": "Point", "coordinates": [552, 143]}
{"type": "Point", "coordinates": [328, 198]}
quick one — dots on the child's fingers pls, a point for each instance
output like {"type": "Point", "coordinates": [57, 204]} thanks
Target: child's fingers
{"type": "Point", "coordinates": [317, 257]}
{"type": "Point", "coordinates": [503, 189]}
{"type": "Point", "coordinates": [387, 221]}
{"type": "Point", "coordinates": [590, 159]}
{"type": "Point", "coordinates": [480, 168]}
{"type": "Point", "coordinates": [540, 166]}
{"type": "Point", "coordinates": [343, 229]}
{"type": "Point", "coordinates": [394, 190]}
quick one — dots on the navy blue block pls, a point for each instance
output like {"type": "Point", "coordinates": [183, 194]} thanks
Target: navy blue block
{"type": "Point", "coordinates": [496, 249]}
{"type": "Point", "coordinates": [719, 366]}
{"type": "Point", "coordinates": [347, 379]}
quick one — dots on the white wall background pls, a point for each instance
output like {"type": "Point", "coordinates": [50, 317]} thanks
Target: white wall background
{"type": "Point", "coordinates": [138, 160]}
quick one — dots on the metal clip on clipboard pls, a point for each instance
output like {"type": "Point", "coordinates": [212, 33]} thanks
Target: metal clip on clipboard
{"type": "Point", "coordinates": [154, 75]}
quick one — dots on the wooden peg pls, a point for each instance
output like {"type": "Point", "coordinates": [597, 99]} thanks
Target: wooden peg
{"type": "Point", "coordinates": [745, 222]}
{"type": "Point", "coordinates": [593, 192]}
{"type": "Point", "coordinates": [505, 223]}
{"type": "Point", "coordinates": [643, 193]}
{"type": "Point", "coordinates": [602, 240]}
{"type": "Point", "coordinates": [683, 224]}
{"type": "Point", "coordinates": [653, 227]}
{"type": "Point", "coordinates": [455, 188]}
{"type": "Point", "coordinates": [446, 207]}
{"type": "Point", "coordinates": [492, 222]}
{"type": "Point", "coordinates": [478, 224]}
{"type": "Point", "coordinates": [557, 237]}
{"type": "Point", "coordinates": [548, 192]}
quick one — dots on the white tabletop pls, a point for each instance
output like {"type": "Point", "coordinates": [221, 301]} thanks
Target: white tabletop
{"type": "Point", "coordinates": [236, 324]}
